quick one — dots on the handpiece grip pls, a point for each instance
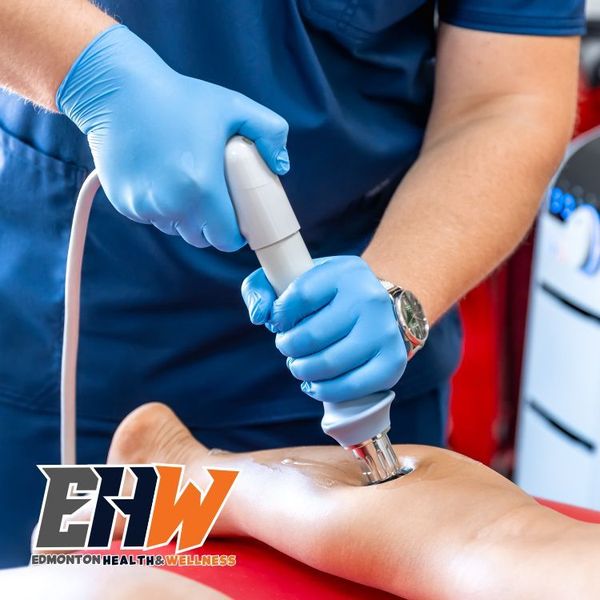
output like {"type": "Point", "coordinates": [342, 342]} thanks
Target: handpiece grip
{"type": "Point", "coordinates": [267, 221]}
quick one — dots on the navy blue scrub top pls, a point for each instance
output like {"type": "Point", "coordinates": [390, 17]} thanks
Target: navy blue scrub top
{"type": "Point", "coordinates": [162, 320]}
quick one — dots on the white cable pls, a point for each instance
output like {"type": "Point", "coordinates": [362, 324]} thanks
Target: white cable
{"type": "Point", "coordinates": [68, 372]}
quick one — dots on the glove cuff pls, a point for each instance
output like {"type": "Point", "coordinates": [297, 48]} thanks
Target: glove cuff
{"type": "Point", "coordinates": [99, 72]}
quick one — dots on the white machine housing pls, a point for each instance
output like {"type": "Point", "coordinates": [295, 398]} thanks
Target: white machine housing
{"type": "Point", "coordinates": [558, 435]}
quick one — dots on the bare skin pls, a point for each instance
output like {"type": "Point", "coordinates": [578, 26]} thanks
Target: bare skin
{"type": "Point", "coordinates": [40, 40]}
{"type": "Point", "coordinates": [487, 157]}
{"type": "Point", "coordinates": [450, 529]}
{"type": "Point", "coordinates": [101, 583]}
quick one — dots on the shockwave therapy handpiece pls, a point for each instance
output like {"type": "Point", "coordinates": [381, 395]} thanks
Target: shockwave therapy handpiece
{"type": "Point", "coordinates": [267, 221]}
{"type": "Point", "coordinates": [270, 226]}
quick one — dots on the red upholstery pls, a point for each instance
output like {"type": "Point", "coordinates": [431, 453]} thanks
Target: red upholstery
{"type": "Point", "coordinates": [476, 385]}
{"type": "Point", "coordinates": [581, 514]}
{"type": "Point", "coordinates": [262, 572]}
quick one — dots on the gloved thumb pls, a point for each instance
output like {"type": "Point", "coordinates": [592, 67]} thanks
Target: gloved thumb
{"type": "Point", "coordinates": [269, 132]}
{"type": "Point", "coordinates": [258, 296]}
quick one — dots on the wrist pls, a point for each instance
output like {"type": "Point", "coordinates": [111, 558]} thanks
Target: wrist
{"type": "Point", "coordinates": [40, 40]}
{"type": "Point", "coordinates": [111, 58]}
{"type": "Point", "coordinates": [79, 30]}
{"type": "Point", "coordinates": [410, 277]}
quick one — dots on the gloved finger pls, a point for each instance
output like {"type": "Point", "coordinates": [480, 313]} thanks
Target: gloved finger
{"type": "Point", "coordinates": [318, 331]}
{"type": "Point", "coordinates": [193, 233]}
{"type": "Point", "coordinates": [258, 296]}
{"type": "Point", "coordinates": [122, 203]}
{"type": "Point", "coordinates": [167, 227]}
{"type": "Point", "coordinates": [269, 132]}
{"type": "Point", "coordinates": [222, 231]}
{"type": "Point", "coordinates": [125, 208]}
{"type": "Point", "coordinates": [380, 373]}
{"type": "Point", "coordinates": [307, 294]}
{"type": "Point", "coordinates": [351, 352]}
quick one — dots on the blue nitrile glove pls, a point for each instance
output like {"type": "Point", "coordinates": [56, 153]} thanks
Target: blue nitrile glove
{"type": "Point", "coordinates": [336, 325]}
{"type": "Point", "coordinates": [158, 138]}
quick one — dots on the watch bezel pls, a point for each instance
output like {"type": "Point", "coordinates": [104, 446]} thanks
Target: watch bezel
{"type": "Point", "coordinates": [407, 295]}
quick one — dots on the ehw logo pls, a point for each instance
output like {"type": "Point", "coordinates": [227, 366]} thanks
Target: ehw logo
{"type": "Point", "coordinates": [156, 510]}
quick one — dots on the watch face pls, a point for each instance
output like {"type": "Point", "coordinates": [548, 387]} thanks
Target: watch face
{"type": "Point", "coordinates": [413, 317]}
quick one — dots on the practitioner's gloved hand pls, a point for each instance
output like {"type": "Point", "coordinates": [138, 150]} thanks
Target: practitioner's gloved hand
{"type": "Point", "coordinates": [158, 137]}
{"type": "Point", "coordinates": [336, 325]}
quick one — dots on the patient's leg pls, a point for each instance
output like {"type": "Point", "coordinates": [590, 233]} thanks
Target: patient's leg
{"type": "Point", "coordinates": [451, 528]}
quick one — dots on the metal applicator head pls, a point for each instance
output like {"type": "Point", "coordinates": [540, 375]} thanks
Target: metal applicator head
{"type": "Point", "coordinates": [378, 460]}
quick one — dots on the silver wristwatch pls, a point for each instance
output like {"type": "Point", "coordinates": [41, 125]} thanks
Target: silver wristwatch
{"type": "Point", "coordinates": [411, 318]}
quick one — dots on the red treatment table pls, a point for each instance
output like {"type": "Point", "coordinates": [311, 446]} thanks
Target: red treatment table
{"type": "Point", "coordinates": [263, 573]}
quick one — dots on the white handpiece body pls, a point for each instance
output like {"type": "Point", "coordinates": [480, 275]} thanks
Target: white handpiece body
{"type": "Point", "coordinates": [267, 221]}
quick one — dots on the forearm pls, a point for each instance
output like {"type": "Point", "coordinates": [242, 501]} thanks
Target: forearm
{"type": "Point", "coordinates": [543, 555]}
{"type": "Point", "coordinates": [583, 541]}
{"type": "Point", "coordinates": [452, 528]}
{"type": "Point", "coordinates": [40, 39]}
{"type": "Point", "coordinates": [468, 200]}
{"type": "Point", "coordinates": [513, 547]}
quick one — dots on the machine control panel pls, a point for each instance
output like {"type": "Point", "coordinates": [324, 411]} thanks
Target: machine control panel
{"type": "Point", "coordinates": [577, 182]}
{"type": "Point", "coordinates": [575, 200]}
{"type": "Point", "coordinates": [564, 199]}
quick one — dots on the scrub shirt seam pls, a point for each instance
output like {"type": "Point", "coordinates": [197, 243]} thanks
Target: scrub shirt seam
{"type": "Point", "coordinates": [348, 12]}
{"type": "Point", "coordinates": [342, 20]}
{"type": "Point", "coordinates": [500, 19]}
{"type": "Point", "coordinates": [9, 397]}
{"type": "Point", "coordinates": [517, 29]}
{"type": "Point", "coordinates": [39, 159]}
{"type": "Point", "coordinates": [474, 13]}
{"type": "Point", "coordinates": [18, 401]}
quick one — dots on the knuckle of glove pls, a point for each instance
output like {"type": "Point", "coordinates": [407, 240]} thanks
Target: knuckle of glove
{"type": "Point", "coordinates": [329, 365]}
{"type": "Point", "coordinates": [306, 341]}
{"type": "Point", "coordinates": [296, 370]}
{"type": "Point", "coordinates": [296, 343]}
{"type": "Point", "coordinates": [285, 345]}
{"type": "Point", "coordinates": [349, 390]}
{"type": "Point", "coordinates": [225, 240]}
{"type": "Point", "coordinates": [299, 291]}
